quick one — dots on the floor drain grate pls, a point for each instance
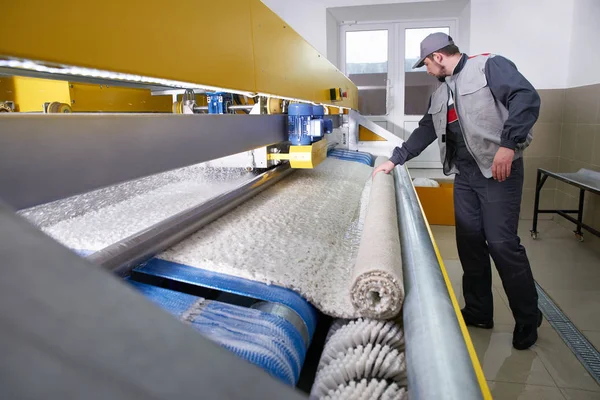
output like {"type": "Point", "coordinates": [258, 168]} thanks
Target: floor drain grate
{"type": "Point", "coordinates": [585, 352]}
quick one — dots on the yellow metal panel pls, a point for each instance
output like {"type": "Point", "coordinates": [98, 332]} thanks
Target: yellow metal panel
{"type": "Point", "coordinates": [106, 98]}
{"type": "Point", "coordinates": [308, 156]}
{"type": "Point", "coordinates": [303, 157]}
{"type": "Point", "coordinates": [242, 45]}
{"type": "Point", "coordinates": [286, 65]}
{"type": "Point", "coordinates": [7, 89]}
{"type": "Point", "coordinates": [438, 203]}
{"type": "Point", "coordinates": [198, 41]}
{"type": "Point", "coordinates": [32, 93]}
{"type": "Point", "coordinates": [366, 135]}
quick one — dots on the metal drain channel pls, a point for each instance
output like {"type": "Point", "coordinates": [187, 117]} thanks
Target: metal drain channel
{"type": "Point", "coordinates": [585, 352]}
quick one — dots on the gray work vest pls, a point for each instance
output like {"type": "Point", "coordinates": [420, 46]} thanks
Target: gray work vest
{"type": "Point", "coordinates": [481, 117]}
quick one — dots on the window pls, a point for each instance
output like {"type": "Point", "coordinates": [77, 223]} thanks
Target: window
{"type": "Point", "coordinates": [367, 67]}
{"type": "Point", "coordinates": [418, 85]}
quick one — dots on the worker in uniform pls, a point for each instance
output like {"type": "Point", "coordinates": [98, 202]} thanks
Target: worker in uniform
{"type": "Point", "coordinates": [482, 116]}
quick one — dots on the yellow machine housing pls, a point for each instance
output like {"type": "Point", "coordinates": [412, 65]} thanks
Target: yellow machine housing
{"type": "Point", "coordinates": [304, 157]}
{"type": "Point", "coordinates": [257, 53]}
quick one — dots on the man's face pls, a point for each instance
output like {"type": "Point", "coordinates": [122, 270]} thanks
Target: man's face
{"type": "Point", "coordinates": [434, 68]}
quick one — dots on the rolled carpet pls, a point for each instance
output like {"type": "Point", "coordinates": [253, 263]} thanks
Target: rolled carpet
{"type": "Point", "coordinates": [377, 289]}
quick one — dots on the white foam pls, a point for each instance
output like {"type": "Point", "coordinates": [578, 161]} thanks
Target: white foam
{"type": "Point", "coordinates": [95, 220]}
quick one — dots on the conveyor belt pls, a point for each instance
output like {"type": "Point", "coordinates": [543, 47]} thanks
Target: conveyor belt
{"type": "Point", "coordinates": [263, 339]}
{"type": "Point", "coordinates": [231, 284]}
{"type": "Point", "coordinates": [348, 155]}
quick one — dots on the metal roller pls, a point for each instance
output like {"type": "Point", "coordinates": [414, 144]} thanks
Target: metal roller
{"type": "Point", "coordinates": [124, 255]}
{"type": "Point", "coordinates": [438, 362]}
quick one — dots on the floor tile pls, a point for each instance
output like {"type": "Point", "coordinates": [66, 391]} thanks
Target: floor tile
{"type": "Point", "coordinates": [447, 248]}
{"type": "Point", "coordinates": [576, 275]}
{"type": "Point", "coordinates": [519, 391]}
{"type": "Point", "coordinates": [593, 337]}
{"type": "Point", "coordinates": [454, 270]}
{"type": "Point", "coordinates": [581, 306]}
{"type": "Point", "coordinates": [502, 363]}
{"type": "Point", "coordinates": [563, 366]}
{"type": "Point", "coordinates": [569, 271]}
{"type": "Point", "coordinates": [443, 231]}
{"type": "Point", "coordinates": [574, 394]}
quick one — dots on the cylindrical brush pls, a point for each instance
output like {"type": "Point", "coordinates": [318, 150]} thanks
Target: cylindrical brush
{"type": "Point", "coordinates": [373, 389]}
{"type": "Point", "coordinates": [362, 359]}
{"type": "Point", "coordinates": [361, 332]}
{"type": "Point", "coordinates": [361, 363]}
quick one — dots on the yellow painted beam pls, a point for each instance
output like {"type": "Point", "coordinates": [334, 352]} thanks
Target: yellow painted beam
{"type": "Point", "coordinates": [242, 45]}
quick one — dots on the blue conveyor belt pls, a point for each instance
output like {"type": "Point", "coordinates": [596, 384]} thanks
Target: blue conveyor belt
{"type": "Point", "coordinates": [231, 284]}
{"type": "Point", "coordinates": [266, 340]}
{"type": "Point", "coordinates": [349, 155]}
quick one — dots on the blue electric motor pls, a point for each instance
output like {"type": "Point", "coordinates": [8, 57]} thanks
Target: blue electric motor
{"type": "Point", "coordinates": [299, 117]}
{"type": "Point", "coordinates": [218, 102]}
{"type": "Point", "coordinates": [307, 124]}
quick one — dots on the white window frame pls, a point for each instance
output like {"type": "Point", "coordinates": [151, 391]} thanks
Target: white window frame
{"type": "Point", "coordinates": [391, 54]}
{"type": "Point", "coordinates": [452, 23]}
{"type": "Point", "coordinates": [396, 78]}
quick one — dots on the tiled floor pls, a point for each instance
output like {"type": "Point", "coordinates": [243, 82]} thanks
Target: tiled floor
{"type": "Point", "coordinates": [569, 271]}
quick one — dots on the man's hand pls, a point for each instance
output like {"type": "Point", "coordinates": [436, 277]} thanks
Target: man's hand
{"type": "Point", "coordinates": [502, 164]}
{"type": "Point", "coordinates": [386, 167]}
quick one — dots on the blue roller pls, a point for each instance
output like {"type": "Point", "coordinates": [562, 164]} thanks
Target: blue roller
{"type": "Point", "coordinates": [231, 284]}
{"type": "Point", "coordinates": [266, 340]}
{"type": "Point", "coordinates": [348, 155]}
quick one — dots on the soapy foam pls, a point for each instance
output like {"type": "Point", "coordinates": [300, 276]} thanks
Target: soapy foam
{"type": "Point", "coordinates": [98, 219]}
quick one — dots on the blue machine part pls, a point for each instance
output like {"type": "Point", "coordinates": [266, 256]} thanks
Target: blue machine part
{"type": "Point", "coordinates": [348, 155]}
{"type": "Point", "coordinates": [307, 124]}
{"type": "Point", "coordinates": [317, 123]}
{"type": "Point", "coordinates": [231, 284]}
{"type": "Point", "coordinates": [266, 340]}
{"type": "Point", "coordinates": [299, 117]}
{"type": "Point", "coordinates": [319, 114]}
{"type": "Point", "coordinates": [218, 102]}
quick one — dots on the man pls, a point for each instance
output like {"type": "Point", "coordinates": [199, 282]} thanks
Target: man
{"type": "Point", "coordinates": [482, 115]}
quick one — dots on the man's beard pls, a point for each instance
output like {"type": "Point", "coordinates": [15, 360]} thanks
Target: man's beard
{"type": "Point", "coordinates": [441, 76]}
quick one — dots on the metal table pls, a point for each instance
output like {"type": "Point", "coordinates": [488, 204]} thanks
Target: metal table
{"type": "Point", "coordinates": [584, 179]}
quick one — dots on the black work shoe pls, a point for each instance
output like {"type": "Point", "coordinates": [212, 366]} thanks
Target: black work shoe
{"type": "Point", "coordinates": [471, 321]}
{"type": "Point", "coordinates": [525, 336]}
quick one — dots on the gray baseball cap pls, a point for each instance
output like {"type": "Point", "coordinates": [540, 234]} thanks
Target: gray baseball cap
{"type": "Point", "coordinates": [432, 43]}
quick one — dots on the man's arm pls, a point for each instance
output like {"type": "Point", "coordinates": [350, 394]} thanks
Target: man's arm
{"type": "Point", "coordinates": [418, 141]}
{"type": "Point", "coordinates": [518, 96]}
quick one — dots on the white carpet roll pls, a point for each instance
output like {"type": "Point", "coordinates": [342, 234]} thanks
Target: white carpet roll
{"type": "Point", "coordinates": [377, 289]}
